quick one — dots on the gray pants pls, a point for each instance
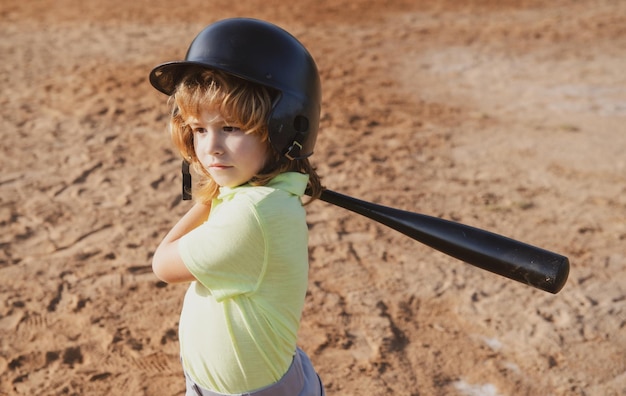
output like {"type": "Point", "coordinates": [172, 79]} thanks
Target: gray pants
{"type": "Point", "coordinates": [300, 380]}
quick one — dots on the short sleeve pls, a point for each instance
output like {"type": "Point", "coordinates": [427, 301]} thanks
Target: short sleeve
{"type": "Point", "coordinates": [226, 254]}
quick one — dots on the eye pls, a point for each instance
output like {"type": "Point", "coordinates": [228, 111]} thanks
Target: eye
{"type": "Point", "coordinates": [230, 128]}
{"type": "Point", "coordinates": [198, 130]}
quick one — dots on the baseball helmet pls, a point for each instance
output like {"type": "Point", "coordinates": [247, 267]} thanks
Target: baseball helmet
{"type": "Point", "coordinates": [262, 53]}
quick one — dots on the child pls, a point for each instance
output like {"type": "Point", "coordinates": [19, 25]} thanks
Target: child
{"type": "Point", "coordinates": [245, 106]}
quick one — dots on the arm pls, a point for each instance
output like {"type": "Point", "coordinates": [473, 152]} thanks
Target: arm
{"type": "Point", "coordinates": [167, 264]}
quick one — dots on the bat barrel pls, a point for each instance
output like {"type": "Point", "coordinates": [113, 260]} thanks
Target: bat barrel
{"type": "Point", "coordinates": [504, 256]}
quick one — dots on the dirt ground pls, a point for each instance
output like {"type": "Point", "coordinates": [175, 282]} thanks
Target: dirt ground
{"type": "Point", "coordinates": [505, 115]}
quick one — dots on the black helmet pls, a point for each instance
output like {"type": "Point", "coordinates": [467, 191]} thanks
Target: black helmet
{"type": "Point", "coordinates": [262, 53]}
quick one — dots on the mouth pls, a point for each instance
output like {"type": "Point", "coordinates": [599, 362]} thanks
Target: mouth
{"type": "Point", "coordinates": [219, 166]}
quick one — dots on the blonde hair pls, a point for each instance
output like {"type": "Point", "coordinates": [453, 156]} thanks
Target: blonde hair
{"type": "Point", "coordinates": [239, 102]}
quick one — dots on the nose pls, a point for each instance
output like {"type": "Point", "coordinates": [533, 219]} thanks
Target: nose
{"type": "Point", "coordinates": [212, 142]}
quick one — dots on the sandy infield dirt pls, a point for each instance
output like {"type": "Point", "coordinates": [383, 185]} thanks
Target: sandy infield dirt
{"type": "Point", "coordinates": [506, 115]}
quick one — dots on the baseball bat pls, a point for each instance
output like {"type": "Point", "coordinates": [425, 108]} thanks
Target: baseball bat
{"type": "Point", "coordinates": [504, 256]}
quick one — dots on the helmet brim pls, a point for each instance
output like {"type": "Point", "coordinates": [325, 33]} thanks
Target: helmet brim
{"type": "Point", "coordinates": [166, 76]}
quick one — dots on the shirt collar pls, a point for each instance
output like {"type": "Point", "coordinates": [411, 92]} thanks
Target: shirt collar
{"type": "Point", "coordinates": [292, 182]}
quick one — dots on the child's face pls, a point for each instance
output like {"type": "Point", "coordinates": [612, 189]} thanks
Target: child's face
{"type": "Point", "coordinates": [229, 155]}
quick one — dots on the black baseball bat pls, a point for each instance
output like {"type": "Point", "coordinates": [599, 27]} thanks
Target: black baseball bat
{"type": "Point", "coordinates": [504, 256]}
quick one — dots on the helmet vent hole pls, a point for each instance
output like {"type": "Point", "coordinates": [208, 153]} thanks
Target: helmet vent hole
{"type": "Point", "coordinates": [301, 124]}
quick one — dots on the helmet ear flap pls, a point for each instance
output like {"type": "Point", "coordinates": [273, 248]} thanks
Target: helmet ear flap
{"type": "Point", "coordinates": [293, 126]}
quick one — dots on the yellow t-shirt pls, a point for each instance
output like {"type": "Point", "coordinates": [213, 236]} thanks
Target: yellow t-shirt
{"type": "Point", "coordinates": [240, 318]}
